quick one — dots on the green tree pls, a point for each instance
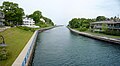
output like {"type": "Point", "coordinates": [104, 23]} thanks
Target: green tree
{"type": "Point", "coordinates": [101, 18]}
{"type": "Point", "coordinates": [81, 24]}
{"type": "Point", "coordinates": [115, 19]}
{"type": "Point", "coordinates": [104, 27]}
{"type": "Point", "coordinates": [74, 23]}
{"type": "Point", "coordinates": [36, 16]}
{"type": "Point", "coordinates": [48, 21]}
{"type": "Point", "coordinates": [13, 13]}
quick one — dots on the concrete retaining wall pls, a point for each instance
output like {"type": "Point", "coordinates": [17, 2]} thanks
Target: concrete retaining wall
{"type": "Point", "coordinates": [111, 40]}
{"type": "Point", "coordinates": [26, 54]}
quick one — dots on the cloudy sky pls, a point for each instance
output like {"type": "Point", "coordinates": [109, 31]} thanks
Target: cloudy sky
{"type": "Point", "coordinates": [62, 11]}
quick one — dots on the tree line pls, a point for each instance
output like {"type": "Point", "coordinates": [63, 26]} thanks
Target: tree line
{"type": "Point", "coordinates": [14, 15]}
{"type": "Point", "coordinates": [83, 24]}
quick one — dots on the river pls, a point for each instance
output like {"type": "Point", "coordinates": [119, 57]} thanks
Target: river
{"type": "Point", "coordinates": [60, 47]}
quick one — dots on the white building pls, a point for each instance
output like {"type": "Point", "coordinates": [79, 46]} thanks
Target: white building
{"type": "Point", "coordinates": [42, 20]}
{"type": "Point", "coordinates": [29, 23]}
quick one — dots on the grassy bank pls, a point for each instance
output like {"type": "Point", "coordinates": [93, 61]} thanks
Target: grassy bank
{"type": "Point", "coordinates": [16, 39]}
{"type": "Point", "coordinates": [104, 35]}
{"type": "Point", "coordinates": [101, 34]}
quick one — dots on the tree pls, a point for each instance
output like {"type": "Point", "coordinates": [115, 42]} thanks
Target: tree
{"type": "Point", "coordinates": [82, 24]}
{"type": "Point", "coordinates": [74, 23]}
{"type": "Point", "coordinates": [104, 27]}
{"type": "Point", "coordinates": [111, 18]}
{"type": "Point", "coordinates": [115, 19]}
{"type": "Point", "coordinates": [13, 13]}
{"type": "Point", "coordinates": [48, 21]}
{"type": "Point", "coordinates": [36, 16]}
{"type": "Point", "coordinates": [101, 18]}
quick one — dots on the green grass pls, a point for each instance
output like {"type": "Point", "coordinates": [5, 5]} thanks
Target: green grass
{"type": "Point", "coordinates": [101, 34]}
{"type": "Point", "coordinates": [16, 39]}
{"type": "Point", "coordinates": [104, 35]}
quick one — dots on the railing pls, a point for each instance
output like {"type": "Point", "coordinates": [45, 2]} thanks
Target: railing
{"type": "Point", "coordinates": [29, 50]}
{"type": "Point", "coordinates": [26, 52]}
{"type": "Point", "coordinates": [24, 57]}
{"type": "Point", "coordinates": [109, 27]}
{"type": "Point", "coordinates": [113, 27]}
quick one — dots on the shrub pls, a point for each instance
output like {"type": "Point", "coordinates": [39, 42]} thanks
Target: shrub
{"type": "Point", "coordinates": [3, 54]}
{"type": "Point", "coordinates": [82, 29]}
{"type": "Point", "coordinates": [11, 25]}
{"type": "Point", "coordinates": [26, 28]}
{"type": "Point", "coordinates": [112, 32]}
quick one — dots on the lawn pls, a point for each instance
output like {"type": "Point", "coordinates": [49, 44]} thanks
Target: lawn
{"type": "Point", "coordinates": [101, 34]}
{"type": "Point", "coordinates": [104, 35]}
{"type": "Point", "coordinates": [16, 39]}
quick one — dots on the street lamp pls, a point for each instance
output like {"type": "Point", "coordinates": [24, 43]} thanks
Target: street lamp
{"type": "Point", "coordinates": [3, 41]}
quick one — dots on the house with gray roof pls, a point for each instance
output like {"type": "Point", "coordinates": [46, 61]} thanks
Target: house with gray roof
{"type": "Point", "coordinates": [110, 25]}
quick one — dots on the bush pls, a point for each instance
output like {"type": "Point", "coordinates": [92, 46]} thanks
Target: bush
{"type": "Point", "coordinates": [3, 54]}
{"type": "Point", "coordinates": [26, 28]}
{"type": "Point", "coordinates": [112, 32]}
{"type": "Point", "coordinates": [11, 25]}
{"type": "Point", "coordinates": [82, 29]}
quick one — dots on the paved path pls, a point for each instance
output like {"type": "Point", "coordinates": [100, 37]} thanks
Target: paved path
{"type": "Point", "coordinates": [3, 28]}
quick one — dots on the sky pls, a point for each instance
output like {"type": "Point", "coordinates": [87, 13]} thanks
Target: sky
{"type": "Point", "coordinates": [62, 11]}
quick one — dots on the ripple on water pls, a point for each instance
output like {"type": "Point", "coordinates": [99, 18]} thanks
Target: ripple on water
{"type": "Point", "coordinates": [60, 47]}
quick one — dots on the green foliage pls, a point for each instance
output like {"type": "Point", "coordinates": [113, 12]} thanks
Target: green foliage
{"type": "Point", "coordinates": [26, 28]}
{"type": "Point", "coordinates": [112, 32]}
{"type": "Point", "coordinates": [16, 39]}
{"type": "Point", "coordinates": [48, 21]}
{"type": "Point", "coordinates": [13, 13]}
{"type": "Point", "coordinates": [101, 18]}
{"type": "Point", "coordinates": [41, 24]}
{"type": "Point", "coordinates": [81, 23]}
{"type": "Point", "coordinates": [74, 23]}
{"type": "Point", "coordinates": [104, 27]}
{"type": "Point", "coordinates": [37, 15]}
{"type": "Point", "coordinates": [11, 25]}
{"type": "Point", "coordinates": [82, 29]}
{"type": "Point", "coordinates": [3, 54]}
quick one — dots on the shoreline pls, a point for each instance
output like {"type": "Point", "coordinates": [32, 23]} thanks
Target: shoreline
{"type": "Point", "coordinates": [106, 39]}
{"type": "Point", "coordinates": [26, 55]}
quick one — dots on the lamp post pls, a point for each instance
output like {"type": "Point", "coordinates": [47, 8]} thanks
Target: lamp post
{"type": "Point", "coordinates": [3, 41]}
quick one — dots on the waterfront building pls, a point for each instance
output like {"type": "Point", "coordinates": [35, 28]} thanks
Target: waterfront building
{"type": "Point", "coordinates": [110, 25]}
{"type": "Point", "coordinates": [2, 18]}
{"type": "Point", "coordinates": [29, 22]}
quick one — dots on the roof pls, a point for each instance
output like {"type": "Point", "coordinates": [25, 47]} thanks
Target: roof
{"type": "Point", "coordinates": [107, 22]}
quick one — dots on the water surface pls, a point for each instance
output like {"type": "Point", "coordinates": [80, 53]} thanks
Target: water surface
{"type": "Point", "coordinates": [60, 47]}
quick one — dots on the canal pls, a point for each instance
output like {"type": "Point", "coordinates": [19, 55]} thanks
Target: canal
{"type": "Point", "coordinates": [60, 47]}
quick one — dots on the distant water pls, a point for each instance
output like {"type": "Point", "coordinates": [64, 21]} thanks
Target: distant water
{"type": "Point", "coordinates": [60, 47]}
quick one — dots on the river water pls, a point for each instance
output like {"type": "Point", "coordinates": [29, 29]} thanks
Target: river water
{"type": "Point", "coordinates": [60, 47]}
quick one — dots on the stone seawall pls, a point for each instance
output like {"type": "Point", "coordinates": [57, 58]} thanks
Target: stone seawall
{"type": "Point", "coordinates": [111, 40]}
{"type": "Point", "coordinates": [25, 57]}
